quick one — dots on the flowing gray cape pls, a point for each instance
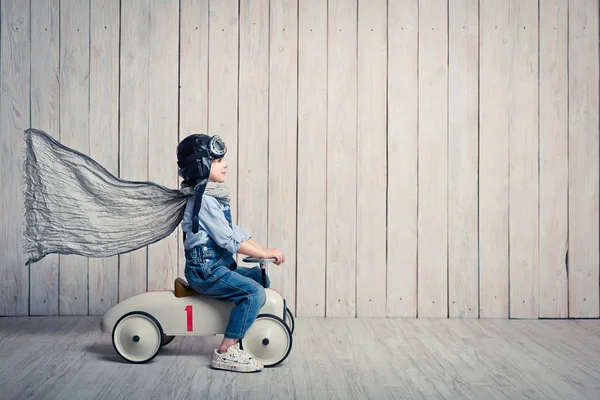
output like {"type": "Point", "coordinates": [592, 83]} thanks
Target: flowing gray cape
{"type": "Point", "coordinates": [75, 206]}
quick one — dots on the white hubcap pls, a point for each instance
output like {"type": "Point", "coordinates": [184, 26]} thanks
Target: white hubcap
{"type": "Point", "coordinates": [137, 338]}
{"type": "Point", "coordinates": [267, 340]}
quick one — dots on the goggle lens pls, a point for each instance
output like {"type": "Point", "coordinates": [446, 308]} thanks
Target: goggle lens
{"type": "Point", "coordinates": [217, 146]}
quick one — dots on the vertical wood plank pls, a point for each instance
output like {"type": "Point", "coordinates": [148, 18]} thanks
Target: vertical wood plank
{"type": "Point", "coordinates": [371, 263]}
{"type": "Point", "coordinates": [403, 29]}
{"type": "Point", "coordinates": [523, 159]}
{"type": "Point", "coordinates": [583, 159]}
{"type": "Point", "coordinates": [223, 84]}
{"type": "Point", "coordinates": [15, 47]}
{"type": "Point", "coordinates": [283, 95]}
{"type": "Point", "coordinates": [43, 281]}
{"type": "Point", "coordinates": [463, 42]}
{"type": "Point", "coordinates": [193, 78]}
{"type": "Point", "coordinates": [134, 126]}
{"type": "Point", "coordinates": [104, 132]}
{"type": "Point", "coordinates": [254, 119]}
{"type": "Point", "coordinates": [341, 159]}
{"type": "Point", "coordinates": [312, 158]}
{"type": "Point", "coordinates": [554, 168]}
{"type": "Point", "coordinates": [162, 129]}
{"type": "Point", "coordinates": [433, 146]}
{"type": "Point", "coordinates": [494, 56]}
{"type": "Point", "coordinates": [74, 133]}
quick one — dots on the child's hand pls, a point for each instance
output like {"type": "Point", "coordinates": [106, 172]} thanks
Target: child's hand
{"type": "Point", "coordinates": [276, 254]}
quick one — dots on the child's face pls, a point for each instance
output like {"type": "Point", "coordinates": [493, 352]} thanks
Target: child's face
{"type": "Point", "coordinates": [218, 170]}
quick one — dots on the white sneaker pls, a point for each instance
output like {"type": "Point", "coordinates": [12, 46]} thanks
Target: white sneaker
{"type": "Point", "coordinates": [235, 359]}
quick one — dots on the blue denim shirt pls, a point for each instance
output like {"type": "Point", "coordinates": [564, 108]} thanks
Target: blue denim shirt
{"type": "Point", "coordinates": [214, 226]}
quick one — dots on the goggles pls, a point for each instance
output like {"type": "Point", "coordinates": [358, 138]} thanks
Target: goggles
{"type": "Point", "coordinates": [216, 147]}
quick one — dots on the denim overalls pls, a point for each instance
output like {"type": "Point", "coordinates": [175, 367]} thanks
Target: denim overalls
{"type": "Point", "coordinates": [211, 270]}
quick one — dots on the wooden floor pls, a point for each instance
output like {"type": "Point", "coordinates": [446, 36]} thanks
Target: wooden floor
{"type": "Point", "coordinates": [69, 358]}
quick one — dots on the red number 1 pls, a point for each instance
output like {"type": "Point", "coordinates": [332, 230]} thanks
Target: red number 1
{"type": "Point", "coordinates": [190, 321]}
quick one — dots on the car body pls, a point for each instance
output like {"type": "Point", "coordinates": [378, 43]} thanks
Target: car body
{"type": "Point", "coordinates": [189, 315]}
{"type": "Point", "coordinates": [142, 324]}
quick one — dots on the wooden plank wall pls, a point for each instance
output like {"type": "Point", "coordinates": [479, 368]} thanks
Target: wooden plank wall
{"type": "Point", "coordinates": [411, 158]}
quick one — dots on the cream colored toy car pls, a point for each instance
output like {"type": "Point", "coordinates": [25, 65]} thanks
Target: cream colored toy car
{"type": "Point", "coordinates": [141, 325]}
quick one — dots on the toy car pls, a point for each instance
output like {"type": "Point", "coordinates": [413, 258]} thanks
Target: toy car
{"type": "Point", "coordinates": [141, 325]}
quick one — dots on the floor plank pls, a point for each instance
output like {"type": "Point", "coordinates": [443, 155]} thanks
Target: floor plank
{"type": "Point", "coordinates": [68, 357]}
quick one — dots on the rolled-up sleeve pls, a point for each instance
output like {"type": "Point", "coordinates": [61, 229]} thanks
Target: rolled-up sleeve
{"type": "Point", "coordinates": [214, 222]}
{"type": "Point", "coordinates": [240, 234]}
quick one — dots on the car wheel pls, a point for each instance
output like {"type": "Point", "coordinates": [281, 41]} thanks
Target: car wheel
{"type": "Point", "coordinates": [166, 340]}
{"type": "Point", "coordinates": [289, 320]}
{"type": "Point", "coordinates": [137, 337]}
{"type": "Point", "coordinates": [268, 340]}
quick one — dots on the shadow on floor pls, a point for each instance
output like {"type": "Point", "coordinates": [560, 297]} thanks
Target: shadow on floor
{"type": "Point", "coordinates": [105, 350]}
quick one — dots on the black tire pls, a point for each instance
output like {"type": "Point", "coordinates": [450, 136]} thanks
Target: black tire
{"type": "Point", "coordinates": [290, 316]}
{"type": "Point", "coordinates": [166, 340]}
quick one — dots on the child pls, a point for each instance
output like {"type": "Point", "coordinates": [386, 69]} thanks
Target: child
{"type": "Point", "coordinates": [211, 240]}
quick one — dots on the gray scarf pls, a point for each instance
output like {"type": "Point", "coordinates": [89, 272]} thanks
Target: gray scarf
{"type": "Point", "coordinates": [214, 189]}
{"type": "Point", "coordinates": [75, 206]}
{"type": "Point", "coordinates": [218, 190]}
